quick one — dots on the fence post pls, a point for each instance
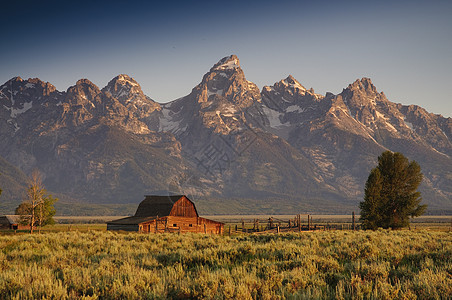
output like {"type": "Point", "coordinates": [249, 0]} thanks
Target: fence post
{"type": "Point", "coordinates": [309, 222]}
{"type": "Point", "coordinates": [156, 226]}
{"type": "Point", "coordinates": [299, 222]}
{"type": "Point", "coordinates": [353, 221]}
{"type": "Point", "coordinates": [277, 228]}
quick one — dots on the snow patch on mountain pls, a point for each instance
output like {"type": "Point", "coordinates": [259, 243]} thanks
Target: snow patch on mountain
{"type": "Point", "coordinates": [295, 84]}
{"type": "Point", "coordinates": [408, 124]}
{"type": "Point", "coordinates": [127, 79]}
{"type": "Point", "coordinates": [294, 108]}
{"type": "Point", "coordinates": [273, 117]}
{"type": "Point", "coordinates": [17, 111]}
{"type": "Point", "coordinates": [166, 122]}
{"type": "Point", "coordinates": [228, 63]}
{"type": "Point", "coordinates": [217, 92]}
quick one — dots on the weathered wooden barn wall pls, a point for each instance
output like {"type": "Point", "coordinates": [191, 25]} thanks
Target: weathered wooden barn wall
{"type": "Point", "coordinates": [158, 214]}
{"type": "Point", "coordinates": [182, 224]}
{"type": "Point", "coordinates": [184, 208]}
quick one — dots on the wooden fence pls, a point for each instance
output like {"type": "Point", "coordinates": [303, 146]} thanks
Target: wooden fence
{"type": "Point", "coordinates": [301, 222]}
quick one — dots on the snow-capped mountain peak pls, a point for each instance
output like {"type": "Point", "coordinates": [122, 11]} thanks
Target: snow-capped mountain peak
{"type": "Point", "coordinates": [126, 79]}
{"type": "Point", "coordinates": [128, 92]}
{"type": "Point", "coordinates": [291, 82]}
{"type": "Point", "coordinates": [227, 63]}
{"type": "Point", "coordinates": [122, 87]}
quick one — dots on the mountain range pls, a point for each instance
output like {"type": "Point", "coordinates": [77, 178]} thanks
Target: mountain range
{"type": "Point", "coordinates": [228, 145]}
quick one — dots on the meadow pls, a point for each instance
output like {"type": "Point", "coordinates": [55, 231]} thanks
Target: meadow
{"type": "Point", "coordinates": [308, 265]}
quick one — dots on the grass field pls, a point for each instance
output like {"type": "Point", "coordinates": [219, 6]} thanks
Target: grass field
{"type": "Point", "coordinates": [309, 265]}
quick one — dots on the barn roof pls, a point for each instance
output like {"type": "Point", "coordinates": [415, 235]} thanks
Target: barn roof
{"type": "Point", "coordinates": [10, 219]}
{"type": "Point", "coordinates": [150, 209]}
{"type": "Point", "coordinates": [156, 205]}
{"type": "Point", "coordinates": [131, 220]}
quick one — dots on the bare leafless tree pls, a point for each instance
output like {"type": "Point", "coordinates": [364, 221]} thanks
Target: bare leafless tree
{"type": "Point", "coordinates": [37, 208]}
{"type": "Point", "coordinates": [35, 198]}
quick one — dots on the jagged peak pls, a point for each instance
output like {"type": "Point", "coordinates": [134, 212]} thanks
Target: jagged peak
{"type": "Point", "coordinates": [227, 63]}
{"type": "Point", "coordinates": [14, 79]}
{"type": "Point", "coordinates": [84, 81]}
{"type": "Point", "coordinates": [364, 84]}
{"type": "Point", "coordinates": [124, 79]}
{"type": "Point", "coordinates": [290, 81]}
{"type": "Point", "coordinates": [35, 80]}
{"type": "Point", "coordinates": [123, 87]}
{"type": "Point", "coordinates": [32, 85]}
{"type": "Point", "coordinates": [30, 82]}
{"type": "Point", "coordinates": [83, 85]}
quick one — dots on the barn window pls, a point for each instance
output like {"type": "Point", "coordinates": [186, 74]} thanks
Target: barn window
{"type": "Point", "coordinates": [190, 225]}
{"type": "Point", "coordinates": [174, 225]}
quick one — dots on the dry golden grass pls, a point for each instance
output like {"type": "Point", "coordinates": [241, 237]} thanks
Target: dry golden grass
{"type": "Point", "coordinates": [310, 265]}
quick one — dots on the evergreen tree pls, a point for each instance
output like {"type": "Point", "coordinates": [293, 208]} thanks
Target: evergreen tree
{"type": "Point", "coordinates": [390, 194]}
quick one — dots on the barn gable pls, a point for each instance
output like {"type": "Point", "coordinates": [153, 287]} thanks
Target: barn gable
{"type": "Point", "coordinates": [184, 208]}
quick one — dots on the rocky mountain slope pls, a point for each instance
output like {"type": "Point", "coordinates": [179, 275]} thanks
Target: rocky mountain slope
{"type": "Point", "coordinates": [89, 144]}
{"type": "Point", "coordinates": [231, 147]}
{"type": "Point", "coordinates": [343, 134]}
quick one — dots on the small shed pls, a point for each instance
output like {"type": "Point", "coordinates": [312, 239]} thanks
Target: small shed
{"type": "Point", "coordinates": [158, 214]}
{"type": "Point", "coordinates": [12, 222]}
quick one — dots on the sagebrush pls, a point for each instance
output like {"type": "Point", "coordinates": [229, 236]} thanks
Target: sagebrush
{"type": "Point", "coordinates": [318, 265]}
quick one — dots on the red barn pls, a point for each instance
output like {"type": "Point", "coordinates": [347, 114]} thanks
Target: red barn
{"type": "Point", "coordinates": [157, 214]}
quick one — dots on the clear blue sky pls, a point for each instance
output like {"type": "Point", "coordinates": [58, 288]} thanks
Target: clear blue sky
{"type": "Point", "coordinates": [405, 47]}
